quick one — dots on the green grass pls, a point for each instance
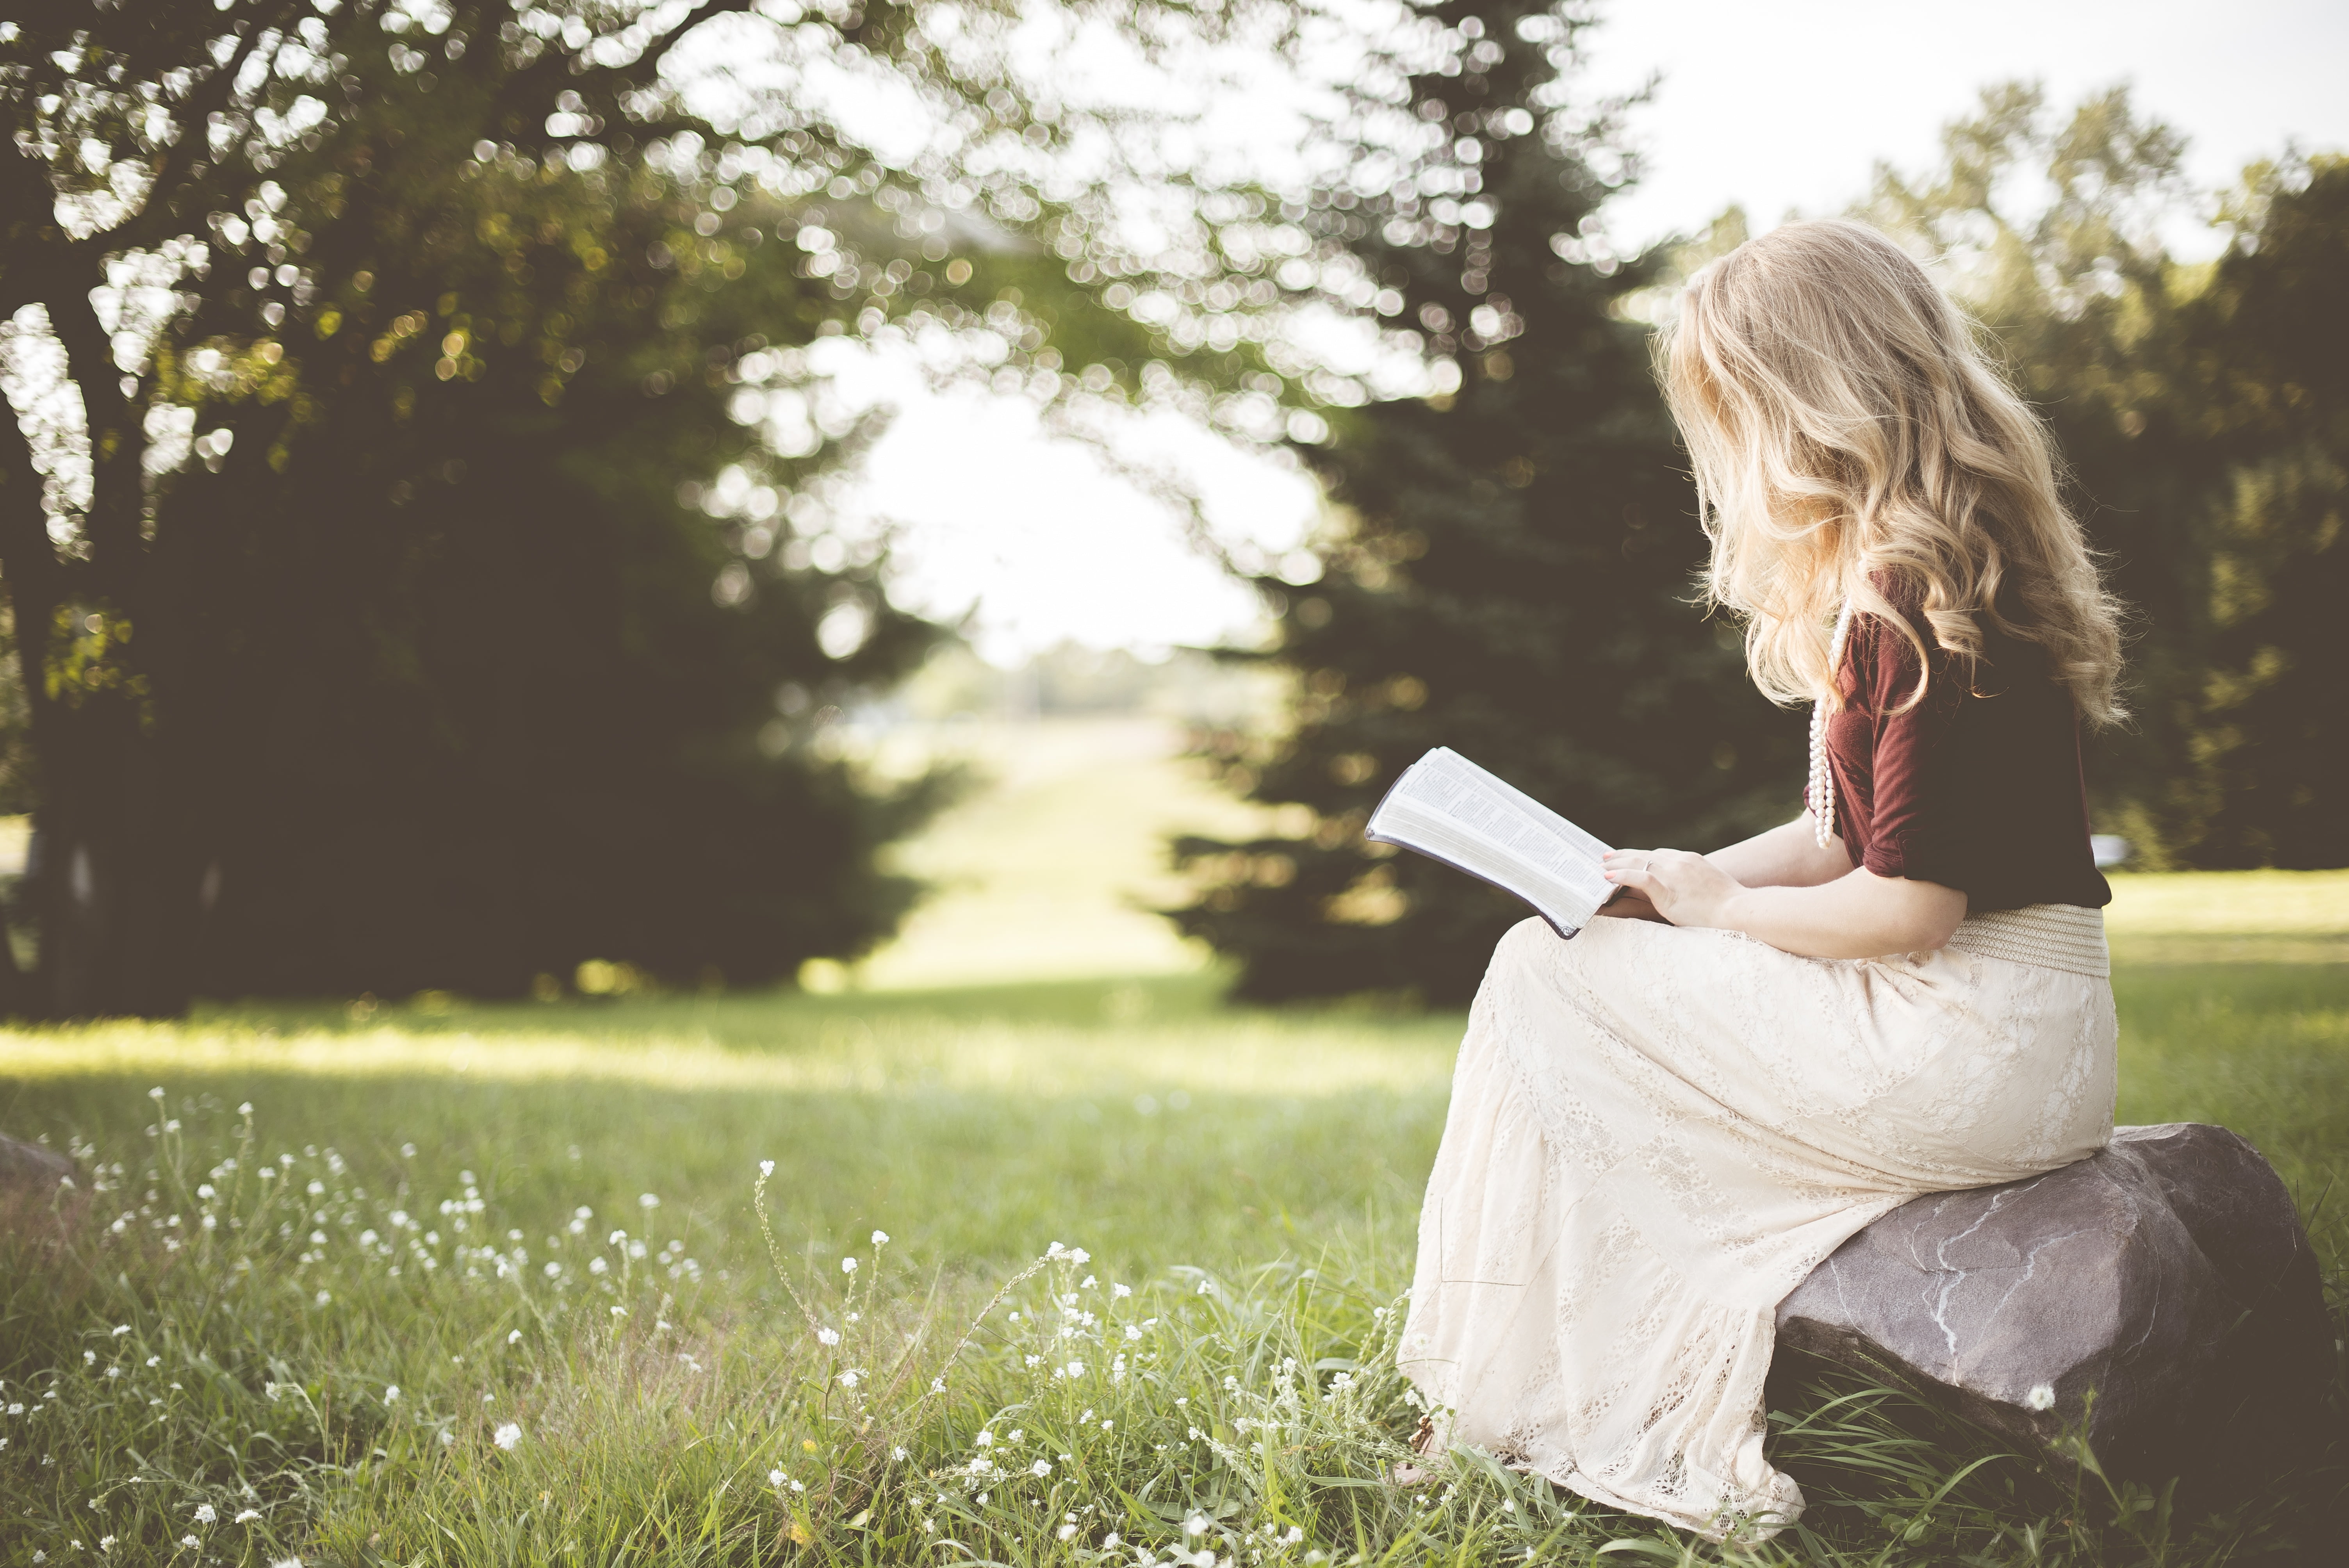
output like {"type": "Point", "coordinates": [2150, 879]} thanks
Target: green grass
{"type": "Point", "coordinates": [1274, 1159]}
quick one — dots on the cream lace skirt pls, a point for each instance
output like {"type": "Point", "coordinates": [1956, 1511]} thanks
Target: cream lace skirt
{"type": "Point", "coordinates": [1656, 1133]}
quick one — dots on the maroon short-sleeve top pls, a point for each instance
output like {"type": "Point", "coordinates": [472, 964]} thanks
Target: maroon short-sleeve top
{"type": "Point", "coordinates": [1978, 787]}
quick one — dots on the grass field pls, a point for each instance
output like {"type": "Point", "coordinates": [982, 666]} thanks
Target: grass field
{"type": "Point", "coordinates": [486, 1284]}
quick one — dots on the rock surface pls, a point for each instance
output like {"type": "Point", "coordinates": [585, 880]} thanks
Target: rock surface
{"type": "Point", "coordinates": [2168, 1273]}
{"type": "Point", "coordinates": [28, 1167]}
{"type": "Point", "coordinates": [29, 1175]}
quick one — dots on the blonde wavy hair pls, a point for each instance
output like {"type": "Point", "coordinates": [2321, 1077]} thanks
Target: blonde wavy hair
{"type": "Point", "coordinates": [1850, 440]}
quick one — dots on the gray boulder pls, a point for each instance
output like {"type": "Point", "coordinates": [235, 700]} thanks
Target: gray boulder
{"type": "Point", "coordinates": [2168, 1273]}
{"type": "Point", "coordinates": [29, 1177]}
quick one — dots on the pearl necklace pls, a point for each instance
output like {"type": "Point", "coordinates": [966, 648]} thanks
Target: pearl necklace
{"type": "Point", "coordinates": [1822, 776]}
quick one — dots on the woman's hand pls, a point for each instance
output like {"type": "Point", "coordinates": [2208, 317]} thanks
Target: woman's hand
{"type": "Point", "coordinates": [1630, 903]}
{"type": "Point", "coordinates": [1684, 889]}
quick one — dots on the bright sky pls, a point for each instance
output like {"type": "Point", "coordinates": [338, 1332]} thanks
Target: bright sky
{"type": "Point", "coordinates": [1790, 104]}
{"type": "Point", "coordinates": [1777, 106]}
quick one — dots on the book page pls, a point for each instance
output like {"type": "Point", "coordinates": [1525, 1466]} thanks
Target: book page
{"type": "Point", "coordinates": [1446, 807]}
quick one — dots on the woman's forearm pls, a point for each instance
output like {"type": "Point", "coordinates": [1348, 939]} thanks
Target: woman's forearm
{"type": "Point", "coordinates": [1788, 855]}
{"type": "Point", "coordinates": [1858, 915]}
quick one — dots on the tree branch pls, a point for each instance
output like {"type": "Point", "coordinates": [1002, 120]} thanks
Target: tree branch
{"type": "Point", "coordinates": [193, 114]}
{"type": "Point", "coordinates": [537, 82]}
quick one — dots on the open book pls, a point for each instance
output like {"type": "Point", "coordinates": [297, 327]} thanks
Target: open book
{"type": "Point", "coordinates": [1450, 810]}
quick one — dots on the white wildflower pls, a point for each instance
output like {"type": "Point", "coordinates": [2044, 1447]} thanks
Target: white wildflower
{"type": "Point", "coordinates": [247, 1517]}
{"type": "Point", "coordinates": [848, 1265]}
{"type": "Point", "coordinates": [508, 1436]}
{"type": "Point", "coordinates": [827, 1336]}
{"type": "Point", "coordinates": [190, 1541]}
{"type": "Point", "coordinates": [775, 1477]}
{"type": "Point", "coordinates": [880, 1238]}
{"type": "Point", "coordinates": [648, 1201]}
{"type": "Point", "coordinates": [391, 1394]}
{"type": "Point", "coordinates": [1066, 1531]}
{"type": "Point", "coordinates": [204, 1514]}
{"type": "Point", "coordinates": [2041, 1398]}
{"type": "Point", "coordinates": [898, 1455]}
{"type": "Point", "coordinates": [849, 1379]}
{"type": "Point", "coordinates": [1121, 1290]}
{"type": "Point", "coordinates": [1041, 1469]}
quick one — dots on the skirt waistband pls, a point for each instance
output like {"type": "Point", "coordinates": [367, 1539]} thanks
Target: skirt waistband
{"type": "Point", "coordinates": [2053, 936]}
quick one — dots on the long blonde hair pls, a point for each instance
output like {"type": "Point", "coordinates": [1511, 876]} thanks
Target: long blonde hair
{"type": "Point", "coordinates": [1850, 441]}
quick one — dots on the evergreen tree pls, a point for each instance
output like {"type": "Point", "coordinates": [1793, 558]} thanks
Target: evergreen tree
{"type": "Point", "coordinates": [1511, 566]}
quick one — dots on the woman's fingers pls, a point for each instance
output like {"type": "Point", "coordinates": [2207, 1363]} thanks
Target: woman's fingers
{"type": "Point", "coordinates": [1622, 864]}
{"type": "Point", "coordinates": [1630, 903]}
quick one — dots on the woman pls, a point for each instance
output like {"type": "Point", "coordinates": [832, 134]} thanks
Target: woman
{"type": "Point", "coordinates": [1658, 1129]}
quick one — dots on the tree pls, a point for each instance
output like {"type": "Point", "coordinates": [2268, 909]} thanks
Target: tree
{"type": "Point", "coordinates": [2199, 415]}
{"type": "Point", "coordinates": [499, 721]}
{"type": "Point", "coordinates": [2268, 341]}
{"type": "Point", "coordinates": [388, 331]}
{"type": "Point", "coordinates": [1509, 567]}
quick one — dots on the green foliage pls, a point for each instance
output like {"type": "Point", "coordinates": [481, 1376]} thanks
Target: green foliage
{"type": "Point", "coordinates": [497, 632]}
{"type": "Point", "coordinates": [975, 1129]}
{"type": "Point", "coordinates": [2270, 338]}
{"type": "Point", "coordinates": [2201, 411]}
{"type": "Point", "coordinates": [1509, 569]}
{"type": "Point", "coordinates": [459, 463]}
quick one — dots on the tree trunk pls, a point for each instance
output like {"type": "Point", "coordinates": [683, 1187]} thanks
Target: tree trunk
{"type": "Point", "coordinates": [28, 567]}
{"type": "Point", "coordinates": [108, 884]}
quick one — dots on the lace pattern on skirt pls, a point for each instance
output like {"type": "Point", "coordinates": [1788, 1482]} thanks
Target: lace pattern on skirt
{"type": "Point", "coordinates": [1655, 1134]}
